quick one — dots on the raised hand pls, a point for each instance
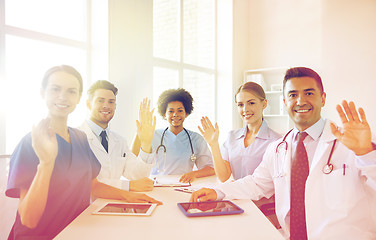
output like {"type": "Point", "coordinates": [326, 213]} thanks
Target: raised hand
{"type": "Point", "coordinates": [208, 131]}
{"type": "Point", "coordinates": [356, 133]}
{"type": "Point", "coordinates": [44, 142]}
{"type": "Point", "coordinates": [145, 125]}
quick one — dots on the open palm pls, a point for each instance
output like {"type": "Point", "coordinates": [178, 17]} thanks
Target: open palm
{"type": "Point", "coordinates": [44, 141]}
{"type": "Point", "coordinates": [208, 131]}
{"type": "Point", "coordinates": [356, 133]}
{"type": "Point", "coordinates": [146, 123]}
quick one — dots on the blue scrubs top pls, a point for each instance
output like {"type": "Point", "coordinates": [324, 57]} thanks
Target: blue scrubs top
{"type": "Point", "coordinates": [70, 185]}
{"type": "Point", "coordinates": [178, 152]}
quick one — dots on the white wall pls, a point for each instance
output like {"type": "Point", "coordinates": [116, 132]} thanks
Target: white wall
{"type": "Point", "coordinates": [349, 54]}
{"type": "Point", "coordinates": [284, 33]}
{"type": "Point", "coordinates": [336, 38]}
{"type": "Point", "coordinates": [130, 59]}
{"type": "Point", "coordinates": [241, 46]}
{"type": "Point", "coordinates": [225, 57]}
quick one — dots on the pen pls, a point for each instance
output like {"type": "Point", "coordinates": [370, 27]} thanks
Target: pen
{"type": "Point", "coordinates": [183, 190]}
{"type": "Point", "coordinates": [344, 169]}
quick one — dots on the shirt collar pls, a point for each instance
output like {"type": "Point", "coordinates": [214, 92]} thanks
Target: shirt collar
{"type": "Point", "coordinates": [241, 133]}
{"type": "Point", "coordinates": [313, 131]}
{"type": "Point", "coordinates": [262, 133]}
{"type": "Point", "coordinates": [95, 128]}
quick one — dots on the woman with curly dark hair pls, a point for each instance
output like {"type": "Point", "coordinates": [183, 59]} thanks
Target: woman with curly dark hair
{"type": "Point", "coordinates": [177, 149]}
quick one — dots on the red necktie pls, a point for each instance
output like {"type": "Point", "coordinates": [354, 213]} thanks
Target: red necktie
{"type": "Point", "coordinates": [299, 174]}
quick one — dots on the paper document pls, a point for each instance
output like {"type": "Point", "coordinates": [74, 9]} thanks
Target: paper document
{"type": "Point", "coordinates": [194, 188]}
{"type": "Point", "coordinates": [168, 182]}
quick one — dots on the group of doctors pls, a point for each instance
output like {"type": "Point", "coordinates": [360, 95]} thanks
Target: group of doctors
{"type": "Point", "coordinates": [55, 168]}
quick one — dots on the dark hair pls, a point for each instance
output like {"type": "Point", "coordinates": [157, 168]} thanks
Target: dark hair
{"type": "Point", "coordinates": [172, 95]}
{"type": "Point", "coordinates": [101, 84]}
{"type": "Point", "coordinates": [303, 72]}
{"type": "Point", "coordinates": [253, 88]}
{"type": "Point", "coordinates": [62, 68]}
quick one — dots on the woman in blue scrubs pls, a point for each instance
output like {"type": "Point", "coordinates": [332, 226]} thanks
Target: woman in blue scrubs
{"type": "Point", "coordinates": [178, 149]}
{"type": "Point", "coordinates": [53, 170]}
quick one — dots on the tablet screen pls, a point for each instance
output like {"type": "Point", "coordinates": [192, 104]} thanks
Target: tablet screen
{"type": "Point", "coordinates": [126, 208]}
{"type": "Point", "coordinates": [209, 208]}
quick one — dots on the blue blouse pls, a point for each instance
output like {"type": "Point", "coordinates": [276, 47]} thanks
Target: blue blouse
{"type": "Point", "coordinates": [70, 185]}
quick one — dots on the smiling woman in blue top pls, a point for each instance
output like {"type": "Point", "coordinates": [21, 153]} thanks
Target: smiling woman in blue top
{"type": "Point", "coordinates": [53, 170]}
{"type": "Point", "coordinates": [179, 149]}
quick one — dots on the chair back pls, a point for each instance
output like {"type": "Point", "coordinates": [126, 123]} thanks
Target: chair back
{"type": "Point", "coordinates": [8, 206]}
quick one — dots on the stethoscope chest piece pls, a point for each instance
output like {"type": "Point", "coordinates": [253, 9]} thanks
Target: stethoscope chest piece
{"type": "Point", "coordinates": [328, 168]}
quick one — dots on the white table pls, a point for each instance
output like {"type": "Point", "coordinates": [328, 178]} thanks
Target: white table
{"type": "Point", "coordinates": [168, 222]}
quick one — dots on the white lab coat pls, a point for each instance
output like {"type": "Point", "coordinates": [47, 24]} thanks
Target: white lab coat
{"type": "Point", "coordinates": [337, 206]}
{"type": "Point", "coordinates": [114, 164]}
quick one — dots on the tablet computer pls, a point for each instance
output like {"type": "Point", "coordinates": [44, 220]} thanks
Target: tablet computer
{"type": "Point", "coordinates": [128, 209]}
{"type": "Point", "coordinates": [211, 208]}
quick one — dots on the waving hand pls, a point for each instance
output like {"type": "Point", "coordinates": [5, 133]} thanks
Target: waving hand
{"type": "Point", "coordinates": [208, 131]}
{"type": "Point", "coordinates": [356, 133]}
{"type": "Point", "coordinates": [44, 142]}
{"type": "Point", "coordinates": [146, 125]}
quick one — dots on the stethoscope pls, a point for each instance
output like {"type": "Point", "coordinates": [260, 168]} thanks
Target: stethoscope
{"type": "Point", "coordinates": [328, 167]}
{"type": "Point", "coordinates": [193, 156]}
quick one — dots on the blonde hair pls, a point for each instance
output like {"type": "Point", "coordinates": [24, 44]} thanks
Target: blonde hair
{"type": "Point", "coordinates": [253, 88]}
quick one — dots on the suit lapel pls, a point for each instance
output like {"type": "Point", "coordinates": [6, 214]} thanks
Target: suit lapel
{"type": "Point", "coordinates": [287, 166]}
{"type": "Point", "coordinates": [323, 149]}
{"type": "Point", "coordinates": [92, 138]}
{"type": "Point", "coordinates": [113, 142]}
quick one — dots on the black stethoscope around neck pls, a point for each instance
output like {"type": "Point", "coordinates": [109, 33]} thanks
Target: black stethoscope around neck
{"type": "Point", "coordinates": [328, 167]}
{"type": "Point", "coordinates": [192, 158]}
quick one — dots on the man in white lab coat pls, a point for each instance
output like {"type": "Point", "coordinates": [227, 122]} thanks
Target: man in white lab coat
{"type": "Point", "coordinates": [339, 201]}
{"type": "Point", "coordinates": [111, 149]}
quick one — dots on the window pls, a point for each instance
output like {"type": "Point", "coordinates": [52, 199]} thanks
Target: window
{"type": "Point", "coordinates": [184, 51]}
{"type": "Point", "coordinates": [36, 35]}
